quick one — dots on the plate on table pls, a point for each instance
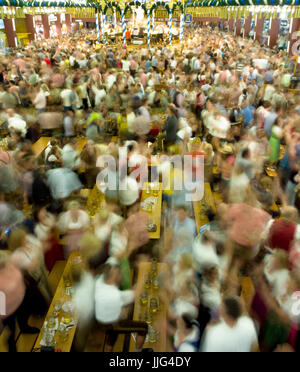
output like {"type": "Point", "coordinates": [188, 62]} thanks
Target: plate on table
{"type": "Point", "coordinates": [150, 203]}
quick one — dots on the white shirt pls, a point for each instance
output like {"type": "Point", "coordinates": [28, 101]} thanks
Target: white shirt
{"type": "Point", "coordinates": [130, 122]}
{"type": "Point", "coordinates": [99, 95]}
{"type": "Point", "coordinates": [204, 255]}
{"type": "Point", "coordinates": [126, 66]}
{"type": "Point", "coordinates": [261, 63]}
{"type": "Point", "coordinates": [197, 65]}
{"type": "Point", "coordinates": [210, 296]}
{"type": "Point", "coordinates": [17, 124]}
{"type": "Point", "coordinates": [185, 346]}
{"type": "Point", "coordinates": [69, 157]}
{"type": "Point", "coordinates": [72, 61]}
{"type": "Point", "coordinates": [183, 306]}
{"type": "Point", "coordinates": [66, 223]}
{"type": "Point", "coordinates": [84, 299]}
{"type": "Point", "coordinates": [173, 64]}
{"type": "Point", "coordinates": [218, 127]}
{"type": "Point", "coordinates": [103, 231]}
{"type": "Point", "coordinates": [110, 301]}
{"type": "Point", "coordinates": [40, 100]}
{"type": "Point", "coordinates": [110, 80]}
{"type": "Point", "coordinates": [238, 187]}
{"type": "Point", "coordinates": [66, 96]}
{"type": "Point", "coordinates": [269, 91]}
{"type": "Point", "coordinates": [222, 338]}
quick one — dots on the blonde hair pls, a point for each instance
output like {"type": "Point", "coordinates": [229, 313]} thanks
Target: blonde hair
{"type": "Point", "coordinates": [89, 245]}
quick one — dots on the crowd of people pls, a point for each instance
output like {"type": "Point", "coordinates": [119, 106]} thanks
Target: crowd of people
{"type": "Point", "coordinates": [215, 95]}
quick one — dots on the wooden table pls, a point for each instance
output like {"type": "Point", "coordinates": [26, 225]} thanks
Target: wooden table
{"type": "Point", "coordinates": [81, 143]}
{"type": "Point", "coordinates": [155, 213]}
{"type": "Point", "coordinates": [282, 151]}
{"type": "Point", "coordinates": [60, 296]}
{"type": "Point", "coordinates": [160, 318]}
{"type": "Point", "coordinates": [200, 206]}
{"type": "Point", "coordinates": [40, 145]}
{"type": "Point", "coordinates": [271, 172]}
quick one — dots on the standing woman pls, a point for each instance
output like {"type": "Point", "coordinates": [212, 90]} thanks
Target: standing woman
{"type": "Point", "coordinates": [45, 232]}
{"type": "Point", "coordinates": [27, 254]}
{"type": "Point", "coordinates": [89, 160]}
{"type": "Point", "coordinates": [74, 224]}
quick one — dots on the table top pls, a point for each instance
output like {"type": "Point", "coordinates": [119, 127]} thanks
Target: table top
{"type": "Point", "coordinates": [160, 318]}
{"type": "Point", "coordinates": [61, 296]}
{"type": "Point", "coordinates": [282, 151]}
{"type": "Point", "coordinates": [81, 143]}
{"type": "Point", "coordinates": [40, 145]}
{"type": "Point", "coordinates": [155, 213]}
{"type": "Point", "coordinates": [200, 206]}
{"type": "Point", "coordinates": [271, 172]}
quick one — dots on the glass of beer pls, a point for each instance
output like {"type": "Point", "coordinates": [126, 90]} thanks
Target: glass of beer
{"type": "Point", "coordinates": [144, 298]}
{"type": "Point", "coordinates": [154, 305]}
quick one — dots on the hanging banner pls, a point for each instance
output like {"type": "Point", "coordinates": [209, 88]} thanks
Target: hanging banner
{"type": "Point", "coordinates": [188, 18]}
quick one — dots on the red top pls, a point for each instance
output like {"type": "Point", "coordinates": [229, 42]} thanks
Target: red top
{"type": "Point", "coordinates": [281, 235]}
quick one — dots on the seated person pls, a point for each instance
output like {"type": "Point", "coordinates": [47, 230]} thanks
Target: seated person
{"type": "Point", "coordinates": [110, 302]}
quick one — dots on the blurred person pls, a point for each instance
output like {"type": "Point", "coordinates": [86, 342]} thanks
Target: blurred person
{"type": "Point", "coordinates": [73, 223]}
{"type": "Point", "coordinates": [234, 333]}
{"type": "Point", "coordinates": [110, 302]}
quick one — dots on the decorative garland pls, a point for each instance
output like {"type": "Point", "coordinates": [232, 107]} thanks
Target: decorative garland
{"type": "Point", "coordinates": [186, 4]}
{"type": "Point", "coordinates": [207, 8]}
